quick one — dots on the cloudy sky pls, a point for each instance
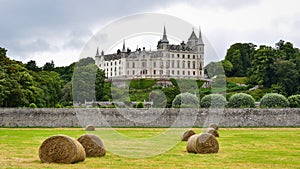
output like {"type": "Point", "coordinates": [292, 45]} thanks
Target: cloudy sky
{"type": "Point", "coordinates": [45, 30]}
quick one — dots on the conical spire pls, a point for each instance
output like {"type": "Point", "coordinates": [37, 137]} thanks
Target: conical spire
{"type": "Point", "coordinates": [123, 49]}
{"type": "Point", "coordinates": [165, 39]}
{"type": "Point", "coordinates": [193, 36]}
{"type": "Point", "coordinates": [97, 53]}
{"type": "Point", "coordinates": [200, 41]}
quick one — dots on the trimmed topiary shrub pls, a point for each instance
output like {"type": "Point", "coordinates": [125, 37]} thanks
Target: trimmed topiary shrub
{"type": "Point", "coordinates": [185, 100]}
{"type": "Point", "coordinates": [32, 105]}
{"type": "Point", "coordinates": [294, 101]}
{"type": "Point", "coordinates": [241, 100]}
{"type": "Point", "coordinates": [140, 105]}
{"type": "Point", "coordinates": [274, 100]}
{"type": "Point", "coordinates": [214, 101]}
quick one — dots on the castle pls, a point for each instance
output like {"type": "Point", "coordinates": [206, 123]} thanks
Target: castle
{"type": "Point", "coordinates": [182, 61]}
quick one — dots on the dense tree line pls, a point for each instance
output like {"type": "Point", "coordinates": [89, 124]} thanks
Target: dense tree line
{"type": "Point", "coordinates": [22, 84]}
{"type": "Point", "coordinates": [276, 68]}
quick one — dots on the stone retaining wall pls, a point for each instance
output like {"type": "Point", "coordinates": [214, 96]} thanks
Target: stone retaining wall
{"type": "Point", "coordinates": [23, 117]}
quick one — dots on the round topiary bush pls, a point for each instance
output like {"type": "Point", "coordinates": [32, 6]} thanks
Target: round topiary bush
{"type": "Point", "coordinates": [241, 100]}
{"type": "Point", "coordinates": [185, 100]}
{"type": "Point", "coordinates": [214, 101]}
{"type": "Point", "coordinates": [274, 100]}
{"type": "Point", "coordinates": [140, 105]}
{"type": "Point", "coordinates": [294, 101]}
{"type": "Point", "coordinates": [32, 105]}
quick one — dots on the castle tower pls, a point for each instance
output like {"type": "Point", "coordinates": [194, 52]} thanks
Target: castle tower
{"type": "Point", "coordinates": [123, 49]}
{"type": "Point", "coordinates": [192, 41]}
{"type": "Point", "coordinates": [200, 44]}
{"type": "Point", "coordinates": [97, 52]}
{"type": "Point", "coordinates": [164, 42]}
{"type": "Point", "coordinates": [200, 50]}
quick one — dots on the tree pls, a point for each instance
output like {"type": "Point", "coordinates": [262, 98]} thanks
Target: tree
{"type": "Point", "coordinates": [2, 53]}
{"type": "Point", "coordinates": [240, 55]}
{"type": "Point", "coordinates": [31, 65]}
{"type": "Point", "coordinates": [49, 66]}
{"type": "Point", "coordinates": [262, 70]}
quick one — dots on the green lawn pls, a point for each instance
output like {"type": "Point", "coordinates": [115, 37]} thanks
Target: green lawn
{"type": "Point", "coordinates": [239, 148]}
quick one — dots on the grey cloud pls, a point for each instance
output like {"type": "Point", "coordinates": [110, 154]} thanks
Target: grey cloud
{"type": "Point", "coordinates": [40, 20]}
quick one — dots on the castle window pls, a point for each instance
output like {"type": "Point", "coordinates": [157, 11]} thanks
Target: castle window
{"type": "Point", "coordinates": [133, 72]}
{"type": "Point", "coordinates": [178, 72]}
{"type": "Point", "coordinates": [154, 72]}
{"type": "Point", "coordinates": [111, 69]}
{"type": "Point", "coordinates": [172, 72]}
{"type": "Point", "coordinates": [188, 72]}
{"type": "Point", "coordinates": [178, 64]}
{"type": "Point", "coordinates": [178, 56]}
{"type": "Point", "coordinates": [172, 55]}
{"type": "Point", "coordinates": [154, 64]}
{"type": "Point", "coordinates": [133, 65]}
{"type": "Point", "coordinates": [110, 73]}
{"type": "Point", "coordinates": [194, 73]}
{"type": "Point", "coordinates": [188, 56]}
{"type": "Point", "coordinates": [119, 61]}
{"type": "Point", "coordinates": [173, 63]}
{"type": "Point", "coordinates": [144, 64]}
{"type": "Point", "coordinates": [183, 64]}
{"type": "Point", "coordinates": [193, 56]}
{"type": "Point", "coordinates": [189, 64]}
{"type": "Point", "coordinates": [183, 73]}
{"type": "Point", "coordinates": [161, 72]}
{"type": "Point", "coordinates": [194, 65]}
{"type": "Point", "coordinates": [115, 62]}
{"type": "Point", "coordinates": [183, 56]}
{"type": "Point", "coordinates": [100, 65]}
{"type": "Point", "coordinates": [111, 63]}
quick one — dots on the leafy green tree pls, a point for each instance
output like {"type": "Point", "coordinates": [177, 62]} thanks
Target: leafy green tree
{"type": "Point", "coordinates": [240, 56]}
{"type": "Point", "coordinates": [50, 82]}
{"type": "Point", "coordinates": [83, 83]}
{"type": "Point", "coordinates": [262, 70]}
{"type": "Point", "coordinates": [2, 53]}
{"type": "Point", "coordinates": [31, 65]}
{"type": "Point", "coordinates": [49, 66]}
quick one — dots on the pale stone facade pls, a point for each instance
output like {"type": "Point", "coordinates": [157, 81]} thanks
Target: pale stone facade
{"type": "Point", "coordinates": [183, 61]}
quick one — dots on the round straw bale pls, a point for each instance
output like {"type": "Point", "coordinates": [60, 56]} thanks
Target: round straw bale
{"type": "Point", "coordinates": [187, 134]}
{"type": "Point", "coordinates": [212, 131]}
{"type": "Point", "coordinates": [90, 128]}
{"type": "Point", "coordinates": [92, 144]}
{"type": "Point", "coordinates": [61, 149]}
{"type": "Point", "coordinates": [204, 143]}
{"type": "Point", "coordinates": [216, 127]}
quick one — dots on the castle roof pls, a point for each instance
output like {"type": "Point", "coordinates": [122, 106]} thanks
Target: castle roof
{"type": "Point", "coordinates": [193, 36]}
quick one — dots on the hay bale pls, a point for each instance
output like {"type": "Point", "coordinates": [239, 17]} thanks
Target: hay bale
{"type": "Point", "coordinates": [92, 144]}
{"type": "Point", "coordinates": [61, 149]}
{"type": "Point", "coordinates": [204, 143]}
{"type": "Point", "coordinates": [187, 134]}
{"type": "Point", "coordinates": [212, 131]}
{"type": "Point", "coordinates": [90, 128]}
{"type": "Point", "coordinates": [216, 127]}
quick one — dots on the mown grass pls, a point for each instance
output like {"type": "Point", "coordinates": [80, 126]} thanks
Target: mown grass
{"type": "Point", "coordinates": [239, 148]}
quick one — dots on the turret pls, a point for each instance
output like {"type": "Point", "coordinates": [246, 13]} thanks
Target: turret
{"type": "Point", "coordinates": [200, 44]}
{"type": "Point", "coordinates": [192, 41]}
{"type": "Point", "coordinates": [97, 52]}
{"type": "Point", "coordinates": [164, 42]}
{"type": "Point", "coordinates": [123, 49]}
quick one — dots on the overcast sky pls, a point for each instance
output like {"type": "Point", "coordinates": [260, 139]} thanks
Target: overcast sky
{"type": "Point", "coordinates": [45, 30]}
